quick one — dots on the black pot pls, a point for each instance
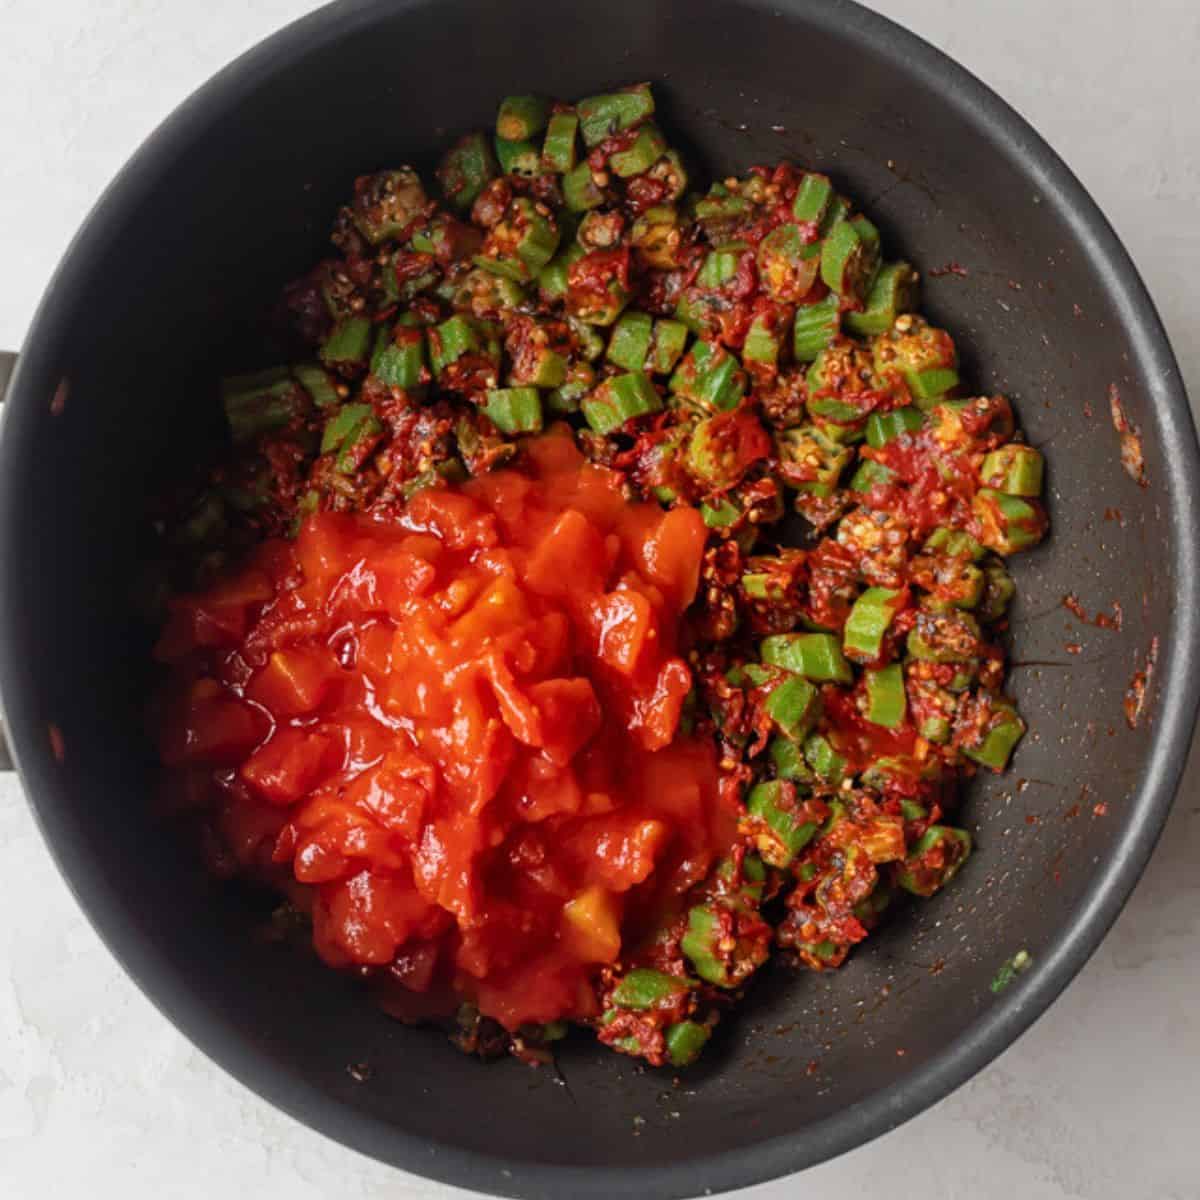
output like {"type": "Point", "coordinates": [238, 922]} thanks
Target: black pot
{"type": "Point", "coordinates": [234, 194]}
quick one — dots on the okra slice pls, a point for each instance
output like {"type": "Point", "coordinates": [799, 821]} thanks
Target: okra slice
{"type": "Point", "coordinates": [936, 858]}
{"type": "Point", "coordinates": [850, 257]}
{"type": "Point", "coordinates": [816, 656]}
{"type": "Point", "coordinates": [514, 410]}
{"type": "Point", "coordinates": [558, 149]}
{"type": "Point", "coordinates": [647, 148]}
{"type": "Point", "coordinates": [644, 988]}
{"type": "Point", "coordinates": [387, 204]}
{"type": "Point", "coordinates": [629, 344]}
{"type": "Point", "coordinates": [346, 348]}
{"type": "Point", "coordinates": [868, 623]}
{"type": "Point", "coordinates": [520, 117]}
{"type": "Point", "coordinates": [709, 377]}
{"type": "Point", "coordinates": [612, 112]}
{"type": "Point", "coordinates": [788, 263]}
{"type": "Point", "coordinates": [1008, 523]}
{"type": "Point", "coordinates": [882, 428]}
{"type": "Point", "coordinates": [893, 292]}
{"type": "Point", "coordinates": [1003, 731]}
{"type": "Point", "coordinates": [1015, 470]}
{"type": "Point", "coordinates": [685, 1040]}
{"type": "Point", "coordinates": [620, 399]}
{"type": "Point", "coordinates": [518, 158]}
{"type": "Point", "coordinates": [814, 327]}
{"type": "Point", "coordinates": [399, 357]}
{"type": "Point", "coordinates": [886, 702]}
{"type": "Point", "coordinates": [778, 830]}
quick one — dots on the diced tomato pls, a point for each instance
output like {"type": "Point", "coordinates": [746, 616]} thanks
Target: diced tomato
{"type": "Point", "coordinates": [570, 558]}
{"type": "Point", "coordinates": [217, 730]}
{"type": "Point", "coordinates": [291, 764]}
{"type": "Point", "coordinates": [569, 716]}
{"type": "Point", "coordinates": [621, 622]}
{"type": "Point", "coordinates": [455, 734]}
{"type": "Point", "coordinates": [672, 553]}
{"type": "Point", "coordinates": [295, 681]}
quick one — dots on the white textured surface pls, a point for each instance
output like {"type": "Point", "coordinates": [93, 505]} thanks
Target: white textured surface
{"type": "Point", "coordinates": [100, 1097]}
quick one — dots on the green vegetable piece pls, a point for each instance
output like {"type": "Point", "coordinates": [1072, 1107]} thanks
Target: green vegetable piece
{"type": "Point", "coordinates": [669, 341]}
{"type": "Point", "coordinates": [1008, 523]}
{"type": "Point", "coordinates": [870, 474]}
{"type": "Point", "coordinates": [450, 340]}
{"type": "Point", "coordinates": [954, 543]}
{"type": "Point", "coordinates": [685, 1040]}
{"type": "Point", "coordinates": [552, 278]}
{"type": "Point", "coordinates": [719, 267]}
{"type": "Point", "coordinates": [850, 257]}
{"type": "Point", "coordinates": [260, 407]}
{"type": "Point", "coordinates": [787, 757]}
{"type": "Point", "coordinates": [350, 456]}
{"type": "Point", "coordinates": [515, 410]}
{"type": "Point", "coordinates": [787, 263]}
{"type": "Point", "coordinates": [648, 147]}
{"type": "Point", "coordinates": [341, 424]}
{"type": "Point", "coordinates": [558, 150]}
{"type": "Point", "coordinates": [602, 116]}
{"type": "Point", "coordinates": [386, 204]}
{"type": "Point", "coordinates": [886, 700]}
{"type": "Point", "coordinates": [868, 622]}
{"type": "Point", "coordinates": [884, 427]}
{"type": "Point", "coordinates": [518, 158]}
{"type": "Point", "coordinates": [348, 344]}
{"type": "Point", "coordinates": [520, 117]}
{"type": "Point", "coordinates": [811, 461]}
{"type": "Point", "coordinates": [893, 292]}
{"type": "Point", "coordinates": [794, 706]}
{"type": "Point", "coordinates": [709, 377]}
{"type": "Point", "coordinates": [814, 327]}
{"type": "Point", "coordinates": [771, 803]}
{"type": "Point", "coordinates": [720, 207]}
{"type": "Point", "coordinates": [523, 242]}
{"type": "Point", "coordinates": [763, 345]}
{"type": "Point", "coordinates": [816, 656]}
{"type": "Point", "coordinates": [1014, 469]}
{"type": "Point", "coordinates": [629, 343]}
{"type": "Point", "coordinates": [934, 860]}
{"type": "Point", "coordinates": [924, 356]}
{"type": "Point", "coordinates": [620, 399]}
{"type": "Point", "coordinates": [466, 169]}
{"type": "Point", "coordinates": [944, 637]}
{"type": "Point", "coordinates": [813, 198]}
{"type": "Point", "coordinates": [645, 988]}
{"type": "Point", "coordinates": [712, 960]}
{"type": "Point", "coordinates": [928, 387]}
{"type": "Point", "coordinates": [399, 357]}
{"type": "Point", "coordinates": [824, 759]}
{"type": "Point", "coordinates": [579, 189]}
{"type": "Point", "coordinates": [1004, 731]}
{"type": "Point", "coordinates": [315, 381]}
{"type": "Point", "coordinates": [998, 591]}
{"type": "Point", "coordinates": [720, 515]}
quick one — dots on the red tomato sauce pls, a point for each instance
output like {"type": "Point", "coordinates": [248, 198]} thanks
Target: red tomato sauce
{"type": "Point", "coordinates": [454, 738]}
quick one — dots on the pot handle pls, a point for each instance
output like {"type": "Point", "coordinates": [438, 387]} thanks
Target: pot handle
{"type": "Point", "coordinates": [8, 364]}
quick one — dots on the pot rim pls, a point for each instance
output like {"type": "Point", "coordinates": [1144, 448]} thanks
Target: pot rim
{"type": "Point", "coordinates": [1018, 1007]}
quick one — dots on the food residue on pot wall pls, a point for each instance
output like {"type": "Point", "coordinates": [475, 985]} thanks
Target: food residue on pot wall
{"type": "Point", "coordinates": [1135, 695]}
{"type": "Point", "coordinates": [1132, 459]}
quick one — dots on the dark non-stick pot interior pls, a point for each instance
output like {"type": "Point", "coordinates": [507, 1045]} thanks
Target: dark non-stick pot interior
{"type": "Point", "coordinates": [115, 392]}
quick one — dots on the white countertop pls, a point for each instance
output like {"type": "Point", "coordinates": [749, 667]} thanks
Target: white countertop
{"type": "Point", "coordinates": [100, 1097]}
